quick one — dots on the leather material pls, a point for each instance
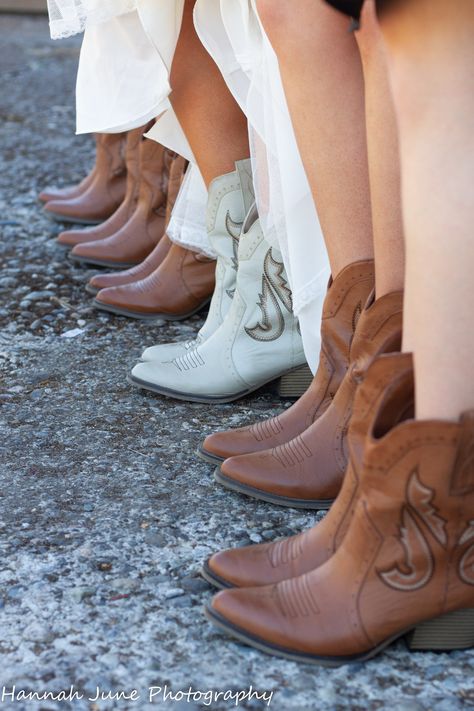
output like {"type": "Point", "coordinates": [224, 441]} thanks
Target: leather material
{"type": "Point", "coordinates": [406, 557]}
{"type": "Point", "coordinates": [72, 191]}
{"type": "Point", "coordinates": [68, 193]}
{"type": "Point", "coordinates": [257, 341]}
{"type": "Point", "coordinates": [312, 465]}
{"type": "Point", "coordinates": [344, 302]}
{"type": "Point", "coordinates": [181, 285]}
{"type": "Point", "coordinates": [70, 238]}
{"type": "Point", "coordinates": [268, 563]}
{"type": "Point", "coordinates": [229, 199]}
{"type": "Point", "coordinates": [106, 191]}
{"type": "Point", "coordinates": [139, 236]}
{"type": "Point", "coordinates": [177, 169]}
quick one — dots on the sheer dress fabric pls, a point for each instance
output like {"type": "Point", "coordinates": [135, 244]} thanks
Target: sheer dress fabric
{"type": "Point", "coordinates": [123, 80]}
{"type": "Point", "coordinates": [232, 33]}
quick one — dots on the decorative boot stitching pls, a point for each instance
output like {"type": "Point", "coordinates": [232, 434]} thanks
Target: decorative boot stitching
{"type": "Point", "coordinates": [296, 598]}
{"type": "Point", "coordinates": [188, 361]}
{"type": "Point", "coordinates": [274, 288]}
{"type": "Point", "coordinates": [291, 453]}
{"type": "Point", "coordinates": [418, 566]}
{"type": "Point", "coordinates": [282, 552]}
{"type": "Point", "coordinates": [266, 429]}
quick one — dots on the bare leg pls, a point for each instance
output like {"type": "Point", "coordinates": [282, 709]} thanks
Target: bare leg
{"type": "Point", "coordinates": [322, 75]}
{"type": "Point", "coordinates": [213, 123]}
{"type": "Point", "coordinates": [384, 159]}
{"type": "Point", "coordinates": [432, 56]}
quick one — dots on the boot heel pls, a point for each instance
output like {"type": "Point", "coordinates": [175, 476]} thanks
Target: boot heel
{"type": "Point", "coordinates": [295, 383]}
{"type": "Point", "coordinates": [454, 630]}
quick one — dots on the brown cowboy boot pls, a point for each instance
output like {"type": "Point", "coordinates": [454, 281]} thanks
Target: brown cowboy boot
{"type": "Point", "coordinates": [104, 281]}
{"type": "Point", "coordinates": [106, 191]}
{"type": "Point", "coordinates": [345, 299]}
{"type": "Point", "coordinates": [140, 235]}
{"type": "Point", "coordinates": [121, 216]}
{"type": "Point", "coordinates": [307, 471]}
{"type": "Point", "coordinates": [405, 567]}
{"type": "Point", "coordinates": [72, 191]}
{"type": "Point", "coordinates": [180, 287]}
{"type": "Point", "coordinates": [268, 563]}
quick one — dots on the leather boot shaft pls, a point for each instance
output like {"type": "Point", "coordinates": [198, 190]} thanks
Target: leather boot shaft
{"type": "Point", "coordinates": [308, 471]}
{"type": "Point", "coordinates": [257, 342]}
{"type": "Point", "coordinates": [176, 166]}
{"type": "Point", "coordinates": [121, 216]}
{"type": "Point", "coordinates": [107, 190]}
{"type": "Point", "coordinates": [131, 244]}
{"type": "Point", "coordinates": [344, 302]}
{"type": "Point", "coordinates": [229, 198]}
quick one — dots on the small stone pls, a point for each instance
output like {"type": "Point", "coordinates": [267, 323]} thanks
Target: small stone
{"type": "Point", "coordinates": [105, 566]}
{"type": "Point", "coordinates": [39, 295]}
{"type": "Point", "coordinates": [124, 584]}
{"type": "Point", "coordinates": [153, 538]}
{"type": "Point", "coordinates": [194, 585]}
{"type": "Point", "coordinates": [15, 592]}
{"type": "Point", "coordinates": [81, 593]}
{"type": "Point", "coordinates": [172, 593]}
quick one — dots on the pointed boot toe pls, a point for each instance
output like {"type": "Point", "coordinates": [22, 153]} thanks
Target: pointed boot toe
{"type": "Point", "coordinates": [100, 254]}
{"type": "Point", "coordinates": [216, 448]}
{"type": "Point", "coordinates": [224, 570]}
{"type": "Point", "coordinates": [136, 273]}
{"type": "Point", "coordinates": [67, 211]}
{"type": "Point", "coordinates": [253, 616]}
{"type": "Point", "coordinates": [125, 301]}
{"type": "Point", "coordinates": [279, 476]}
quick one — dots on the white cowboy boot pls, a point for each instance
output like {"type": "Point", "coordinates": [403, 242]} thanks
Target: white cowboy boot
{"type": "Point", "coordinates": [230, 197]}
{"type": "Point", "coordinates": [257, 342]}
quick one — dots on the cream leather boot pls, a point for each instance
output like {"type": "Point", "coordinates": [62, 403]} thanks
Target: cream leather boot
{"type": "Point", "coordinates": [257, 342]}
{"type": "Point", "coordinates": [230, 197]}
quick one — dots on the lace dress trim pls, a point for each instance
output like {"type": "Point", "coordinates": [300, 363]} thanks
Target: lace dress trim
{"type": "Point", "coordinates": [70, 17]}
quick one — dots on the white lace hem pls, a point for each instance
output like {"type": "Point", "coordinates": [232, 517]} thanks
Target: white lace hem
{"type": "Point", "coordinates": [71, 17]}
{"type": "Point", "coordinates": [189, 236]}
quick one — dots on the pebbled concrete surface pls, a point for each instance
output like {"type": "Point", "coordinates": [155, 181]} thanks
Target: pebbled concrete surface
{"type": "Point", "coordinates": [106, 511]}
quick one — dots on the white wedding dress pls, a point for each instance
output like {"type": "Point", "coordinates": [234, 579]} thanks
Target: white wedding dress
{"type": "Point", "coordinates": [123, 81]}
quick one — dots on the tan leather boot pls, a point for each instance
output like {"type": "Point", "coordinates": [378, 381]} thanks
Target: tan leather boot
{"type": "Point", "coordinates": [269, 563]}
{"type": "Point", "coordinates": [72, 237]}
{"type": "Point", "coordinates": [72, 191]}
{"type": "Point", "coordinates": [180, 287]}
{"type": "Point", "coordinates": [307, 471]}
{"type": "Point", "coordinates": [177, 171]}
{"type": "Point", "coordinates": [140, 235]}
{"type": "Point", "coordinates": [106, 191]}
{"type": "Point", "coordinates": [344, 302]}
{"type": "Point", "coordinates": [404, 568]}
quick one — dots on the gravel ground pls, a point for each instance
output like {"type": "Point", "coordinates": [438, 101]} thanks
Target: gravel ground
{"type": "Point", "coordinates": [107, 512]}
